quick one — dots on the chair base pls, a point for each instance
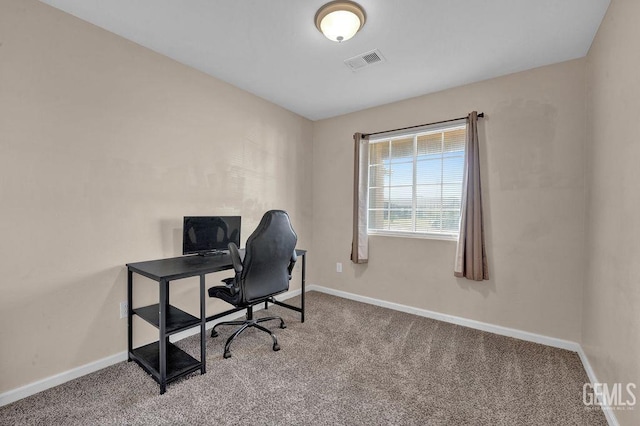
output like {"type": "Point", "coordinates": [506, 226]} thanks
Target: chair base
{"type": "Point", "coordinates": [249, 322]}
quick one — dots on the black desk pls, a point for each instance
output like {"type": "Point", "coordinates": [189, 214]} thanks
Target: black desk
{"type": "Point", "coordinates": [163, 360]}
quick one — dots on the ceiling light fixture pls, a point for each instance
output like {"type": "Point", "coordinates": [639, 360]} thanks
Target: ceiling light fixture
{"type": "Point", "coordinates": [340, 20]}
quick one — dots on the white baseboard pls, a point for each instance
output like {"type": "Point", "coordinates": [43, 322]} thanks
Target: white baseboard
{"type": "Point", "coordinates": [491, 328]}
{"type": "Point", "coordinates": [608, 412]}
{"type": "Point", "coordinates": [58, 379]}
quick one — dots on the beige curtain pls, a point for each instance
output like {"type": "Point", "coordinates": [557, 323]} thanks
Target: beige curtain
{"type": "Point", "coordinates": [471, 257]}
{"type": "Point", "coordinates": [360, 242]}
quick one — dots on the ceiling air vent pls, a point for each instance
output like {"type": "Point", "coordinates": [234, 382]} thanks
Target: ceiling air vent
{"type": "Point", "coordinates": [364, 59]}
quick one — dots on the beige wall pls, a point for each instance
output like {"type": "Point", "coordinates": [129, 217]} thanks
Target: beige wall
{"type": "Point", "coordinates": [532, 149]}
{"type": "Point", "coordinates": [104, 147]}
{"type": "Point", "coordinates": [611, 327]}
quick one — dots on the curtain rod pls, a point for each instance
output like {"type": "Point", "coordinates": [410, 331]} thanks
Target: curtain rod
{"type": "Point", "coordinates": [366, 135]}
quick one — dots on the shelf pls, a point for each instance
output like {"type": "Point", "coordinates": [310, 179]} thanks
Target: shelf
{"type": "Point", "coordinates": [179, 362]}
{"type": "Point", "coordinates": [177, 319]}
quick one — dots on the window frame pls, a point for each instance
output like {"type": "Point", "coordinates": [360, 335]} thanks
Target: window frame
{"type": "Point", "coordinates": [415, 133]}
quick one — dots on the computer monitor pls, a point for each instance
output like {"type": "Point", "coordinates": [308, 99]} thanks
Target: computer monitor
{"type": "Point", "coordinates": [206, 235]}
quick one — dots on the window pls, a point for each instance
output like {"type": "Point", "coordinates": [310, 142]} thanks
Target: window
{"type": "Point", "coordinates": [415, 183]}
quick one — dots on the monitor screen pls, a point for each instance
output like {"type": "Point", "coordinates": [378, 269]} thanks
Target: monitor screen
{"type": "Point", "coordinates": [209, 234]}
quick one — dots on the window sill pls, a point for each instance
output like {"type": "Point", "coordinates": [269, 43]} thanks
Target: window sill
{"type": "Point", "coordinates": [442, 237]}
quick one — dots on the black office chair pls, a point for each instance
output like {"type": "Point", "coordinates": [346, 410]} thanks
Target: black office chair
{"type": "Point", "coordinates": [265, 271]}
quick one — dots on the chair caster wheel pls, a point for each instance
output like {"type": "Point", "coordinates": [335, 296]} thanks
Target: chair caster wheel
{"type": "Point", "coordinates": [227, 355]}
{"type": "Point", "coordinates": [214, 333]}
{"type": "Point", "coordinates": [276, 347]}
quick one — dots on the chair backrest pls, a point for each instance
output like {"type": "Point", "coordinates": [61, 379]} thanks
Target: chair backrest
{"type": "Point", "coordinates": [269, 251]}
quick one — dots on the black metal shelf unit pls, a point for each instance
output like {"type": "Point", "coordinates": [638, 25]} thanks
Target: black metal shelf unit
{"type": "Point", "coordinates": [164, 361]}
{"type": "Point", "coordinates": [177, 319]}
{"type": "Point", "coordinates": [179, 363]}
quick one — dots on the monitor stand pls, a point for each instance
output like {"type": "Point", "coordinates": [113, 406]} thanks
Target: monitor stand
{"type": "Point", "coordinates": [212, 253]}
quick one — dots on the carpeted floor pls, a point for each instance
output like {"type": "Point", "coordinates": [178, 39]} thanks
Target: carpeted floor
{"type": "Point", "coordinates": [349, 364]}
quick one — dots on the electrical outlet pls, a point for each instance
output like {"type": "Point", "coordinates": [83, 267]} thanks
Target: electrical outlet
{"type": "Point", "coordinates": [338, 267]}
{"type": "Point", "coordinates": [124, 309]}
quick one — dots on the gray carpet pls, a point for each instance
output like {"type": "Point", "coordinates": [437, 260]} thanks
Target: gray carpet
{"type": "Point", "coordinates": [349, 364]}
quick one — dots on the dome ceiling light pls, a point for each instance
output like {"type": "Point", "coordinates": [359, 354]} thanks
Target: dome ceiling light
{"type": "Point", "coordinates": [340, 20]}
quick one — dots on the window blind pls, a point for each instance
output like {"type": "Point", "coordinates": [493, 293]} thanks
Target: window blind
{"type": "Point", "coordinates": [415, 182]}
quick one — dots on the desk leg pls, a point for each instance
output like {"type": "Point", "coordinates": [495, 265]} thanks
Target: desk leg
{"type": "Point", "coordinates": [203, 323]}
{"type": "Point", "coordinates": [129, 316]}
{"type": "Point", "coordinates": [163, 339]}
{"type": "Point", "coordinates": [304, 262]}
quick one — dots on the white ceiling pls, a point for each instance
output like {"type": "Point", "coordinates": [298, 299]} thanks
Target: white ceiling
{"type": "Point", "coordinates": [272, 48]}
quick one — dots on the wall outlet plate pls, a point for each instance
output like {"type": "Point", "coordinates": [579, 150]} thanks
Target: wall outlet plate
{"type": "Point", "coordinates": [124, 309]}
{"type": "Point", "coordinates": [338, 267]}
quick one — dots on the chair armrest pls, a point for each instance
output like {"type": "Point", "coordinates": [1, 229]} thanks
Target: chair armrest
{"type": "Point", "coordinates": [230, 283]}
{"type": "Point", "coordinates": [235, 257]}
{"type": "Point", "coordinates": [292, 262]}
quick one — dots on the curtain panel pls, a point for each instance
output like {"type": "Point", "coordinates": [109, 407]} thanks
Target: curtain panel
{"type": "Point", "coordinates": [360, 241]}
{"type": "Point", "coordinates": [471, 257]}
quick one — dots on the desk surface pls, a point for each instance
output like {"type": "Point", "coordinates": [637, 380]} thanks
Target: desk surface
{"type": "Point", "coordinates": [185, 266]}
